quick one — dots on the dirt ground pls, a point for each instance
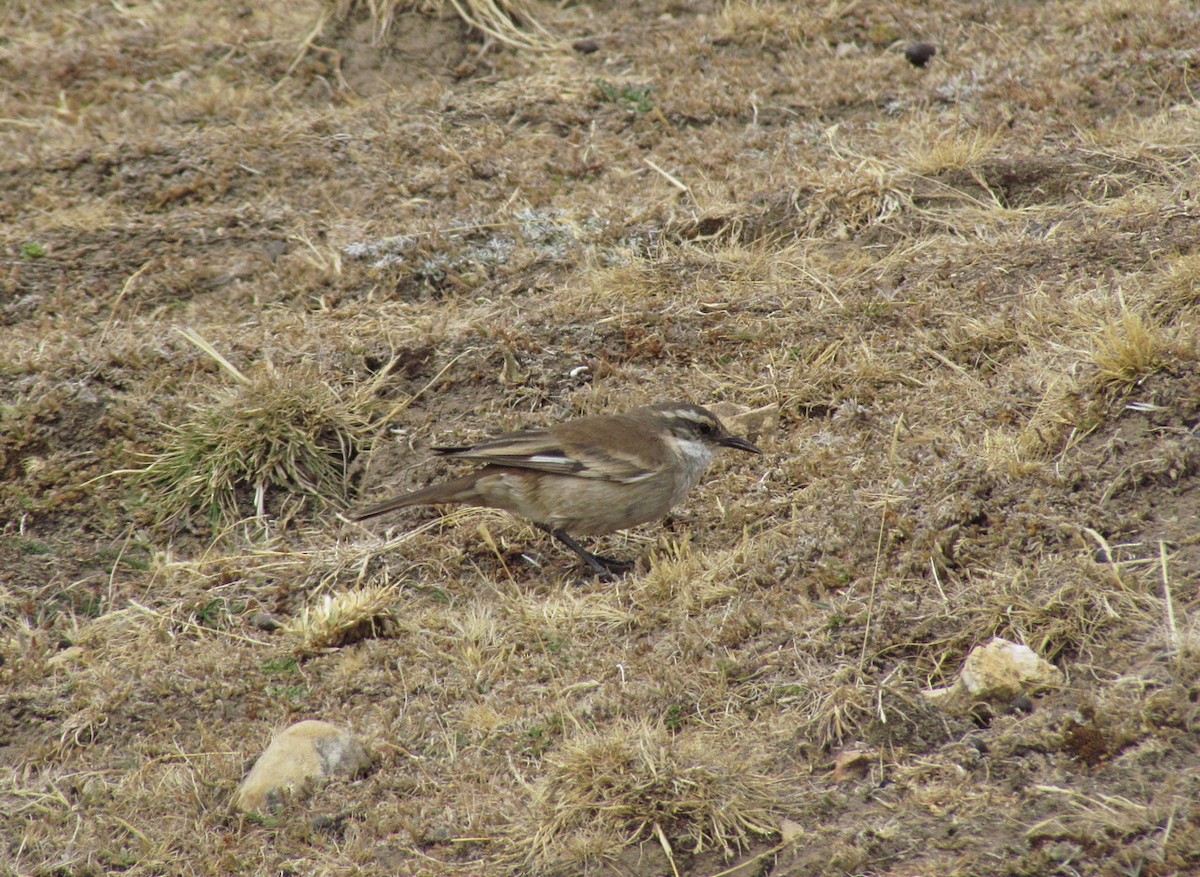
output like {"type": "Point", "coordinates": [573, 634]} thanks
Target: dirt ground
{"type": "Point", "coordinates": [258, 258]}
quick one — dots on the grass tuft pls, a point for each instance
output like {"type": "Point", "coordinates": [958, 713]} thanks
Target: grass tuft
{"type": "Point", "coordinates": [951, 153]}
{"type": "Point", "coordinates": [508, 21]}
{"type": "Point", "coordinates": [344, 618]}
{"type": "Point", "coordinates": [1132, 348]}
{"type": "Point", "coordinates": [1179, 287]}
{"type": "Point", "coordinates": [1058, 607]}
{"type": "Point", "coordinates": [635, 782]}
{"type": "Point", "coordinates": [754, 22]}
{"type": "Point", "coordinates": [850, 197]}
{"type": "Point", "coordinates": [281, 430]}
{"type": "Point", "coordinates": [837, 704]}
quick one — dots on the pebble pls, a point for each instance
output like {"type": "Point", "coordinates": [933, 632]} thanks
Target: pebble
{"type": "Point", "coordinates": [1001, 672]}
{"type": "Point", "coordinates": [307, 750]}
{"type": "Point", "coordinates": [918, 54]}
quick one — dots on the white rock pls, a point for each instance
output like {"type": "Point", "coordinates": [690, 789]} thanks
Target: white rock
{"type": "Point", "coordinates": [307, 750]}
{"type": "Point", "coordinates": [745, 421]}
{"type": "Point", "coordinates": [1001, 670]}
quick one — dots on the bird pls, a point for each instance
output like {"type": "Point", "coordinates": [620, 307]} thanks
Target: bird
{"type": "Point", "coordinates": [587, 476]}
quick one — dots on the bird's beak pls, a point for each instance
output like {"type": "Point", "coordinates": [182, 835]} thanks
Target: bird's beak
{"type": "Point", "coordinates": [736, 441]}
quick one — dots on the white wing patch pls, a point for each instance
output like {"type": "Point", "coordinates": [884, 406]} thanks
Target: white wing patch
{"type": "Point", "coordinates": [547, 459]}
{"type": "Point", "coordinates": [634, 479]}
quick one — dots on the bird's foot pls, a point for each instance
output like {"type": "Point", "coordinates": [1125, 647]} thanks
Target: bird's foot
{"type": "Point", "coordinates": [605, 568]}
{"type": "Point", "coordinates": [608, 568]}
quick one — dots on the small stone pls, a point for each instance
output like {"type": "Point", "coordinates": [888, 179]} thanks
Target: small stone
{"type": "Point", "coordinates": [851, 764]}
{"type": "Point", "coordinates": [307, 750]}
{"type": "Point", "coordinates": [918, 54]}
{"type": "Point", "coordinates": [745, 421]}
{"type": "Point", "coordinates": [1002, 670]}
{"type": "Point", "coordinates": [790, 831]}
{"type": "Point", "coordinates": [1020, 704]}
{"type": "Point", "coordinates": [265, 621]}
{"type": "Point", "coordinates": [585, 47]}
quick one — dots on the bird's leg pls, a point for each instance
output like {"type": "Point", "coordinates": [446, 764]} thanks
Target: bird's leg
{"type": "Point", "coordinates": [604, 567]}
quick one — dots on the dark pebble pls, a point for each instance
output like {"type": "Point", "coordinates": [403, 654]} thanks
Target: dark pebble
{"type": "Point", "coordinates": [918, 54]}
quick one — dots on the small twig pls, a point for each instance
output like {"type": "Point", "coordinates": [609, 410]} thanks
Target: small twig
{"type": "Point", "coordinates": [305, 46]}
{"type": "Point", "coordinates": [112, 317]}
{"type": "Point", "coordinates": [490, 541]}
{"type": "Point", "coordinates": [666, 845]}
{"type": "Point", "coordinates": [1166, 579]}
{"type": "Point", "coordinates": [862, 658]}
{"type": "Point", "coordinates": [401, 406]}
{"type": "Point", "coordinates": [198, 627]}
{"type": "Point", "coordinates": [954, 365]}
{"type": "Point", "coordinates": [192, 335]}
{"type": "Point", "coordinates": [937, 581]}
{"type": "Point", "coordinates": [778, 848]}
{"type": "Point", "coordinates": [673, 180]}
{"type": "Point", "coordinates": [1109, 557]}
{"type": "Point", "coordinates": [112, 573]}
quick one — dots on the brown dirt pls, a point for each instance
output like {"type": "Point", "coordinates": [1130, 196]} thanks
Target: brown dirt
{"type": "Point", "coordinates": [970, 290]}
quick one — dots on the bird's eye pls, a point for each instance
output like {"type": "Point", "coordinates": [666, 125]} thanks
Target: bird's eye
{"type": "Point", "coordinates": [707, 427]}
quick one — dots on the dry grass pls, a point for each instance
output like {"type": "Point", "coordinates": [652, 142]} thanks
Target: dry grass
{"type": "Point", "coordinates": [939, 154]}
{"type": "Point", "coordinates": [283, 432]}
{"type": "Point", "coordinates": [755, 22]}
{"type": "Point", "coordinates": [964, 297]}
{"type": "Point", "coordinates": [342, 619]}
{"type": "Point", "coordinates": [508, 21]}
{"type": "Point", "coordinates": [1131, 349]}
{"type": "Point", "coordinates": [603, 791]}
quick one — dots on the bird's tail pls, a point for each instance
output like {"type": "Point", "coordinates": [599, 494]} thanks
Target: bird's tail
{"type": "Point", "coordinates": [460, 489]}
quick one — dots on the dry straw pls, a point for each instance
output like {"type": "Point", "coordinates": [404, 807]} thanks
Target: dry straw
{"type": "Point", "coordinates": [604, 790]}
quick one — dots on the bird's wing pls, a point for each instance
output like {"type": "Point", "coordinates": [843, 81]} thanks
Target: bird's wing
{"type": "Point", "coordinates": [542, 451]}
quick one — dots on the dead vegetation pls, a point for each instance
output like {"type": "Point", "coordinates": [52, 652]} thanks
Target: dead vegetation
{"type": "Point", "coordinates": [511, 22]}
{"type": "Point", "coordinates": [257, 261]}
{"type": "Point", "coordinates": [275, 437]}
{"type": "Point", "coordinates": [603, 791]}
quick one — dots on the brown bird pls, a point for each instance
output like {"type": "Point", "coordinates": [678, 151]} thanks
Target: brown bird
{"type": "Point", "coordinates": [587, 476]}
